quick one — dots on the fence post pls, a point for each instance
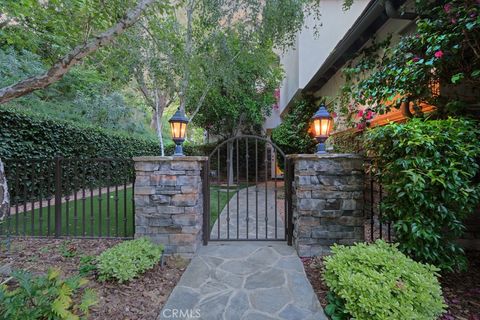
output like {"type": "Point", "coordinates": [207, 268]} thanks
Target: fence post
{"type": "Point", "coordinates": [206, 202]}
{"type": "Point", "coordinates": [58, 196]}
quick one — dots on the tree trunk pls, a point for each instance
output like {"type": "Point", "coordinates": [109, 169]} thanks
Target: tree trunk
{"type": "Point", "coordinates": [61, 67]}
{"type": "Point", "coordinates": [158, 127]}
{"type": "Point", "coordinates": [4, 197]}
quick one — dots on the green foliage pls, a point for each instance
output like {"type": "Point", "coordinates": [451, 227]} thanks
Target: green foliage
{"type": "Point", "coordinates": [335, 308]}
{"type": "Point", "coordinates": [87, 265]}
{"type": "Point", "coordinates": [84, 95]}
{"type": "Point", "coordinates": [376, 281]}
{"type": "Point", "coordinates": [27, 135]}
{"type": "Point", "coordinates": [52, 28]}
{"type": "Point", "coordinates": [292, 134]}
{"type": "Point", "coordinates": [46, 297]}
{"type": "Point", "coordinates": [445, 50]}
{"type": "Point", "coordinates": [347, 141]}
{"type": "Point", "coordinates": [128, 259]}
{"type": "Point", "coordinates": [67, 250]}
{"type": "Point", "coordinates": [242, 90]}
{"type": "Point", "coordinates": [427, 169]}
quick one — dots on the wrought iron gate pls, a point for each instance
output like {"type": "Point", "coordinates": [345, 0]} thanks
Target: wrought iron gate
{"type": "Point", "coordinates": [247, 183]}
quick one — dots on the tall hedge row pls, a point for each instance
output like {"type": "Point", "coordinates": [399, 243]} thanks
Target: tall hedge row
{"type": "Point", "coordinates": [25, 135]}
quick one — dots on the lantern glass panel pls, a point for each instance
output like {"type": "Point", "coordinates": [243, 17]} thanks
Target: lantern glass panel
{"type": "Point", "coordinates": [177, 131]}
{"type": "Point", "coordinates": [322, 126]}
{"type": "Point", "coordinates": [183, 127]}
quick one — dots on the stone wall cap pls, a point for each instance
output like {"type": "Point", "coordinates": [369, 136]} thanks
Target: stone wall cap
{"type": "Point", "coordinates": [325, 156]}
{"type": "Point", "coordinates": [169, 158]}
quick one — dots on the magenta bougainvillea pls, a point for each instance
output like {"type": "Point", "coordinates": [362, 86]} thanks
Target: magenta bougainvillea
{"type": "Point", "coordinates": [444, 53]}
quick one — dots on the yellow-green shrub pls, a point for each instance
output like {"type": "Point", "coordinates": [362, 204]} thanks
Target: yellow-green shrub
{"type": "Point", "coordinates": [128, 259]}
{"type": "Point", "coordinates": [377, 281]}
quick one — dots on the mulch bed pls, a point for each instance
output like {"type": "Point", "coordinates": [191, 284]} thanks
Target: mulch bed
{"type": "Point", "coordinates": [461, 290]}
{"type": "Point", "coordinates": [140, 298]}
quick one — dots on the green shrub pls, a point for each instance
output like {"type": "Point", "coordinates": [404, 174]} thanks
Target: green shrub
{"type": "Point", "coordinates": [128, 259]}
{"type": "Point", "coordinates": [428, 171]}
{"type": "Point", "coordinates": [377, 281]}
{"type": "Point", "coordinates": [46, 297]}
{"type": "Point", "coordinates": [292, 134]}
{"type": "Point", "coordinates": [26, 135]}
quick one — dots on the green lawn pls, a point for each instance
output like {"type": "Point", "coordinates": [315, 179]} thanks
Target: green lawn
{"type": "Point", "coordinates": [96, 220]}
{"type": "Point", "coordinates": [219, 199]}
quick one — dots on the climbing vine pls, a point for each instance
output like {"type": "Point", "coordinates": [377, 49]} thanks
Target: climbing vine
{"type": "Point", "coordinates": [438, 64]}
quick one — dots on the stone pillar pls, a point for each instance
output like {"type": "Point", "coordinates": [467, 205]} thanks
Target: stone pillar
{"type": "Point", "coordinates": [327, 201]}
{"type": "Point", "coordinates": [169, 202]}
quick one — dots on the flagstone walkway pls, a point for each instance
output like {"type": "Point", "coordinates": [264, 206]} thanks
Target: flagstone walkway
{"type": "Point", "coordinates": [255, 212]}
{"type": "Point", "coordinates": [245, 281]}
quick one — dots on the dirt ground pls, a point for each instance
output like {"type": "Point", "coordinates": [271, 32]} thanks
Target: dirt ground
{"type": "Point", "coordinates": [461, 290]}
{"type": "Point", "coordinates": [140, 298]}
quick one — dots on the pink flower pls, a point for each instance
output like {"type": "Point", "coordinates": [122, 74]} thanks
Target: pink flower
{"type": "Point", "coordinates": [369, 114]}
{"type": "Point", "coordinates": [447, 7]}
{"type": "Point", "coordinates": [439, 54]}
{"type": "Point", "coordinates": [360, 113]}
{"type": "Point", "coordinates": [334, 114]}
{"type": "Point", "coordinates": [360, 126]}
{"type": "Point", "coordinates": [416, 59]}
{"type": "Point", "coordinates": [453, 21]}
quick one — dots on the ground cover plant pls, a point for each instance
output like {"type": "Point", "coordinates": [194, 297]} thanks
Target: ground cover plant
{"type": "Point", "coordinates": [138, 299]}
{"type": "Point", "coordinates": [377, 281]}
{"type": "Point", "coordinates": [127, 260]}
{"type": "Point", "coordinates": [46, 297]}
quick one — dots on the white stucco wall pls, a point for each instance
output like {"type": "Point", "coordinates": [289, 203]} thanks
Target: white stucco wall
{"type": "Point", "coordinates": [312, 48]}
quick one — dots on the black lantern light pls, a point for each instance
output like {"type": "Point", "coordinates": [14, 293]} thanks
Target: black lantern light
{"type": "Point", "coordinates": [322, 125]}
{"type": "Point", "coordinates": [178, 125]}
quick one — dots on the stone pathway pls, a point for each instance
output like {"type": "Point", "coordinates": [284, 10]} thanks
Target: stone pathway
{"type": "Point", "coordinates": [244, 281]}
{"type": "Point", "coordinates": [258, 216]}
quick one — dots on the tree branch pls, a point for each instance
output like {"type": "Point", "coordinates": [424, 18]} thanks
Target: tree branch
{"type": "Point", "coordinates": [61, 67]}
{"type": "Point", "coordinates": [200, 101]}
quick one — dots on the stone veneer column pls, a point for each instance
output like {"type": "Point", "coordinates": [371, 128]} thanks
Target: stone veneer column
{"type": "Point", "coordinates": [169, 202]}
{"type": "Point", "coordinates": [327, 201]}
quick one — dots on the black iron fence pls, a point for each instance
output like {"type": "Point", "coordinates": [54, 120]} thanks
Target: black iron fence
{"type": "Point", "coordinates": [377, 225]}
{"type": "Point", "coordinates": [70, 197]}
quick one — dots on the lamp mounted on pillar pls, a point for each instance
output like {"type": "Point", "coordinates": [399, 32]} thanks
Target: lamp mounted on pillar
{"type": "Point", "coordinates": [322, 125]}
{"type": "Point", "coordinates": [178, 125]}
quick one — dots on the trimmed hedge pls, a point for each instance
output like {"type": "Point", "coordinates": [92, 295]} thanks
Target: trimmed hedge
{"type": "Point", "coordinates": [24, 135]}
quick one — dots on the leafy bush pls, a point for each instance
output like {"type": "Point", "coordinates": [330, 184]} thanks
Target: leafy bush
{"type": "Point", "coordinates": [292, 134]}
{"type": "Point", "coordinates": [376, 281]}
{"type": "Point", "coordinates": [427, 169]}
{"type": "Point", "coordinates": [46, 297]}
{"type": "Point", "coordinates": [128, 259]}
